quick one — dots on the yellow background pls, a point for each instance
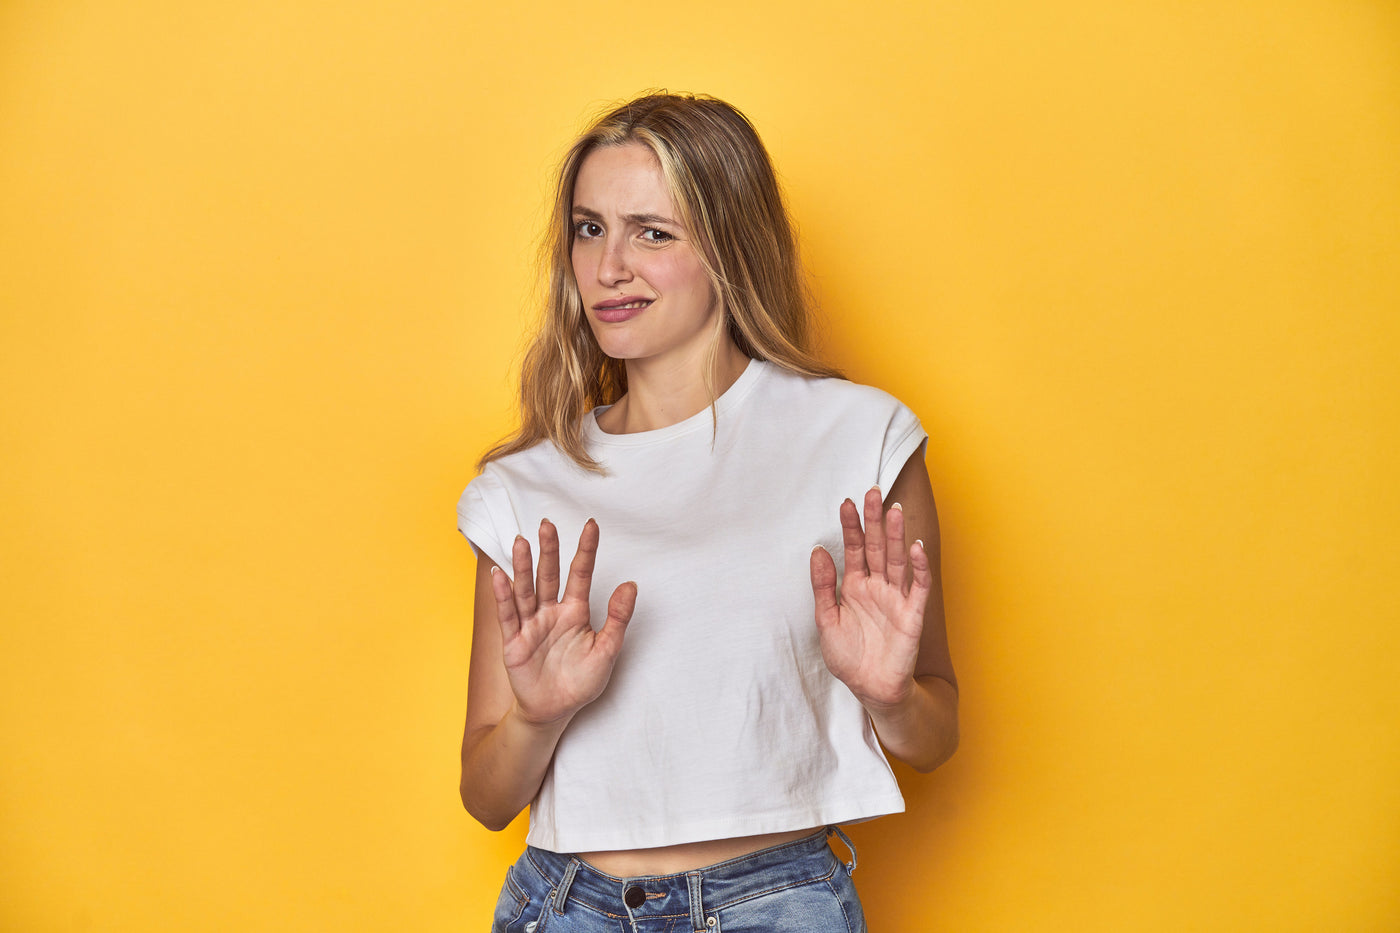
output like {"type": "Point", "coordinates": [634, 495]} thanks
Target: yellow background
{"type": "Point", "coordinates": [265, 269]}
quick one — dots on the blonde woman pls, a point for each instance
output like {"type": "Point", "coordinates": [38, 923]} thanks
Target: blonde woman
{"type": "Point", "coordinates": [695, 699]}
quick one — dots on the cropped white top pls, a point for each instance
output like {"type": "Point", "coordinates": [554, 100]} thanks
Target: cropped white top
{"type": "Point", "coordinates": [721, 718]}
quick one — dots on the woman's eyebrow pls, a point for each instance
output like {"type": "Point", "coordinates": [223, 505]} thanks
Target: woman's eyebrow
{"type": "Point", "coordinates": [587, 213]}
{"type": "Point", "coordinates": [649, 219]}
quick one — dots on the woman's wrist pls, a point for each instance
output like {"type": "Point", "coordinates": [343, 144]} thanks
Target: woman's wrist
{"type": "Point", "coordinates": [894, 706]}
{"type": "Point", "coordinates": [546, 728]}
{"type": "Point", "coordinates": [922, 729]}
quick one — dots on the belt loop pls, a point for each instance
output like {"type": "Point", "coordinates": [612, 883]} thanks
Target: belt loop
{"type": "Point", "coordinates": [850, 847]}
{"type": "Point", "coordinates": [561, 894]}
{"type": "Point", "coordinates": [697, 909]}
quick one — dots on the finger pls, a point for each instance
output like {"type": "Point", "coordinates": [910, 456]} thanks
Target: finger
{"type": "Point", "coordinates": [505, 604]}
{"type": "Point", "coordinates": [581, 568]}
{"type": "Point", "coordinates": [923, 577]}
{"type": "Point", "coordinates": [853, 539]}
{"type": "Point", "coordinates": [823, 570]}
{"type": "Point", "coordinates": [896, 556]}
{"type": "Point", "coordinates": [875, 532]}
{"type": "Point", "coordinates": [524, 583]}
{"type": "Point", "coordinates": [620, 606]}
{"type": "Point", "coordinates": [547, 588]}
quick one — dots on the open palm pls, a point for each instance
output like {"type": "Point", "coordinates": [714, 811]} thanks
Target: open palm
{"type": "Point", "coordinates": [555, 661]}
{"type": "Point", "coordinates": [870, 630]}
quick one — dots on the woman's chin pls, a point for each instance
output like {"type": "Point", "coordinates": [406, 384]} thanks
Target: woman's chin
{"type": "Point", "coordinates": [620, 350]}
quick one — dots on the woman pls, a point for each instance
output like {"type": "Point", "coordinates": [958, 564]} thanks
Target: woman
{"type": "Point", "coordinates": [685, 728]}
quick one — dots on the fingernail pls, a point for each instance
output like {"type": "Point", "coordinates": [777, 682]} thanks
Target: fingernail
{"type": "Point", "coordinates": [919, 542]}
{"type": "Point", "coordinates": [495, 570]}
{"type": "Point", "coordinates": [897, 506]}
{"type": "Point", "coordinates": [818, 548]}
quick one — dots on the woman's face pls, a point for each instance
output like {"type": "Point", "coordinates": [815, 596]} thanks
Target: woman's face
{"type": "Point", "coordinates": [644, 289]}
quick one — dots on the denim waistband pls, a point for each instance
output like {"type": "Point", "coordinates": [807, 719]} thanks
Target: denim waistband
{"type": "Point", "coordinates": [690, 893]}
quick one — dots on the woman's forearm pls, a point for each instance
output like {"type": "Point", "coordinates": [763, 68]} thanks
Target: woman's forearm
{"type": "Point", "coordinates": [921, 731]}
{"type": "Point", "coordinates": [503, 766]}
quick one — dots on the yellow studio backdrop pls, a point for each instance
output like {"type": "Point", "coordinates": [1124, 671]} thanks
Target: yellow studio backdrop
{"type": "Point", "coordinates": [264, 274]}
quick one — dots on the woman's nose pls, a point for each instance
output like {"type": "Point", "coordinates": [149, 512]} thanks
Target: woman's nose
{"type": "Point", "coordinates": [614, 268]}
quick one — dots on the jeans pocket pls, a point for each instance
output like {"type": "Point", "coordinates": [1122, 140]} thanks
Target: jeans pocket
{"type": "Point", "coordinates": [509, 906]}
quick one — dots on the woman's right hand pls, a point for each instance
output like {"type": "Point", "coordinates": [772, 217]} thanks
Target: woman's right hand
{"type": "Point", "coordinates": [555, 662]}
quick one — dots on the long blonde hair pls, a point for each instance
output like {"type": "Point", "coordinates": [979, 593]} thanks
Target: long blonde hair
{"type": "Point", "coordinates": [725, 189]}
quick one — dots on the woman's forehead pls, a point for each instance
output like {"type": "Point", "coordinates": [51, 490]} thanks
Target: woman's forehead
{"type": "Point", "coordinates": [623, 180]}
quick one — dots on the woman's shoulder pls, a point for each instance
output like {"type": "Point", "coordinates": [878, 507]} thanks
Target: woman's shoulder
{"type": "Point", "coordinates": [829, 391]}
{"type": "Point", "coordinates": [540, 458]}
{"type": "Point", "coordinates": [487, 508]}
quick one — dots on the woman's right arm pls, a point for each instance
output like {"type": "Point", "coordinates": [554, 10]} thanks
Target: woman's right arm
{"type": "Point", "coordinates": [535, 662]}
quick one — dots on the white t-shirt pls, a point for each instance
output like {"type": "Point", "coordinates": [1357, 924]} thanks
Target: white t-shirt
{"type": "Point", "coordinates": [720, 718]}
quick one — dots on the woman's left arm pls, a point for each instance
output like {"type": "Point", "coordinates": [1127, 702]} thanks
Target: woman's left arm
{"type": "Point", "coordinates": [885, 636]}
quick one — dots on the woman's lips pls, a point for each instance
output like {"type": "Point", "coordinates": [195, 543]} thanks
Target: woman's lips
{"type": "Point", "coordinates": [618, 310]}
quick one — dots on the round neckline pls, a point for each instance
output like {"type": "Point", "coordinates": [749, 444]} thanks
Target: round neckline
{"type": "Point", "coordinates": [727, 401]}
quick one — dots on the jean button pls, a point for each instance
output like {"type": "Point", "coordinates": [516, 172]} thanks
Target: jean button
{"type": "Point", "coordinates": [634, 897]}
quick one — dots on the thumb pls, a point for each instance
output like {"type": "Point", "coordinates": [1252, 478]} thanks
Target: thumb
{"type": "Point", "coordinates": [620, 606]}
{"type": "Point", "coordinates": [823, 570]}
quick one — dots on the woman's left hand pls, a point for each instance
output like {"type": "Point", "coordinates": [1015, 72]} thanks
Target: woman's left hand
{"type": "Point", "coordinates": [870, 636]}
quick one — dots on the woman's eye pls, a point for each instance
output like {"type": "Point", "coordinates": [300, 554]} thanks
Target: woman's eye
{"type": "Point", "coordinates": [652, 235]}
{"type": "Point", "coordinates": [587, 229]}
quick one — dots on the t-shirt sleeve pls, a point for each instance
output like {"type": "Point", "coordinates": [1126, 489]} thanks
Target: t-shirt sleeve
{"type": "Point", "coordinates": [904, 436]}
{"type": "Point", "coordinates": [487, 520]}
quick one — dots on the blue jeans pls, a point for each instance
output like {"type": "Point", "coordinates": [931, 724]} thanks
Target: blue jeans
{"type": "Point", "coordinates": [797, 887]}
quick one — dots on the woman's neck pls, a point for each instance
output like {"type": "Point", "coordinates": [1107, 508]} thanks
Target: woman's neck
{"type": "Point", "coordinates": [664, 392]}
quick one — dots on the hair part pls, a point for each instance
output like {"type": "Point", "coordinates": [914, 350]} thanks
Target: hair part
{"type": "Point", "coordinates": [727, 194]}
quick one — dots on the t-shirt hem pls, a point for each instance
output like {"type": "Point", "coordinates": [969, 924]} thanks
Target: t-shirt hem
{"type": "Point", "coordinates": [704, 830]}
{"type": "Point", "coordinates": [482, 541]}
{"type": "Point", "coordinates": [900, 455]}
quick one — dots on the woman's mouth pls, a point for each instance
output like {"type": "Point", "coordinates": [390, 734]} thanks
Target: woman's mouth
{"type": "Point", "coordinates": [620, 309]}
